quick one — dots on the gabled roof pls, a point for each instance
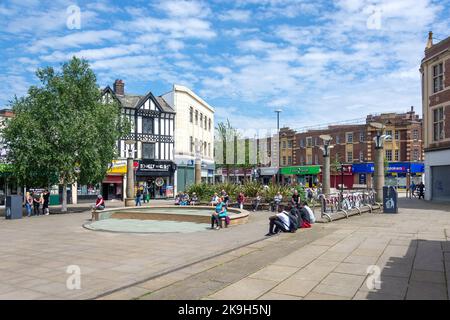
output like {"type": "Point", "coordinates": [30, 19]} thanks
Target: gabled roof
{"type": "Point", "coordinates": [136, 101]}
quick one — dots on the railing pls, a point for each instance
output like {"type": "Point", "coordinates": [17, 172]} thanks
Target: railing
{"type": "Point", "coordinates": [346, 203]}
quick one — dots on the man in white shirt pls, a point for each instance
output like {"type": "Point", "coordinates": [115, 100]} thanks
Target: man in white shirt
{"type": "Point", "coordinates": [309, 214]}
{"type": "Point", "coordinates": [279, 222]}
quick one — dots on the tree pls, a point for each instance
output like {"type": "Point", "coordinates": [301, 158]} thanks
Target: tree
{"type": "Point", "coordinates": [62, 132]}
{"type": "Point", "coordinates": [226, 135]}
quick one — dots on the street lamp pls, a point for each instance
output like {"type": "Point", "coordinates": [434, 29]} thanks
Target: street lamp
{"type": "Point", "coordinates": [379, 159]}
{"type": "Point", "coordinates": [278, 111]}
{"type": "Point", "coordinates": [129, 200]}
{"type": "Point", "coordinates": [326, 165]}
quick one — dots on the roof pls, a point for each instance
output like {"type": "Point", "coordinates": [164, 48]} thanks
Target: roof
{"type": "Point", "coordinates": [134, 101]}
{"type": "Point", "coordinates": [437, 48]}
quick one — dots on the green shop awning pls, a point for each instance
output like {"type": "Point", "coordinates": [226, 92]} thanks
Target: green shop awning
{"type": "Point", "coordinates": [300, 170]}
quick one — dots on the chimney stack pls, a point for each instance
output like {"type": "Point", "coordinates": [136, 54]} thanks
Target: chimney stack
{"type": "Point", "coordinates": [119, 87]}
{"type": "Point", "coordinates": [430, 40]}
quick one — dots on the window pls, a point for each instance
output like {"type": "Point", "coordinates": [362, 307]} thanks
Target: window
{"type": "Point", "coordinates": [148, 151]}
{"type": "Point", "coordinates": [309, 142]}
{"type": "Point", "coordinates": [191, 147]}
{"type": "Point", "coordinates": [302, 143]}
{"type": "Point", "coordinates": [438, 77]}
{"type": "Point", "coordinates": [316, 159]}
{"type": "Point", "coordinates": [338, 156]}
{"type": "Point", "coordinates": [290, 144]}
{"type": "Point", "coordinates": [206, 122]}
{"type": "Point", "coordinates": [438, 124]}
{"type": "Point", "coordinates": [191, 115]}
{"type": "Point", "coordinates": [396, 155]}
{"type": "Point", "coordinates": [337, 139]}
{"type": "Point", "coordinates": [201, 120]}
{"type": "Point", "coordinates": [284, 161]}
{"type": "Point", "coordinates": [361, 156]}
{"type": "Point", "coordinates": [315, 141]}
{"type": "Point", "coordinates": [147, 125]}
{"type": "Point", "coordinates": [209, 124]}
{"type": "Point", "coordinates": [309, 159]}
{"type": "Point", "coordinates": [416, 155]}
{"type": "Point", "coordinates": [362, 136]}
{"type": "Point", "coordinates": [349, 137]}
{"type": "Point", "coordinates": [209, 149]}
{"type": "Point", "coordinates": [196, 117]}
{"type": "Point", "coordinates": [389, 133]}
{"type": "Point", "coordinates": [388, 155]}
{"type": "Point", "coordinates": [289, 160]}
{"type": "Point", "coordinates": [397, 135]}
{"type": "Point", "coordinates": [205, 148]}
{"type": "Point", "coordinates": [416, 134]}
{"type": "Point", "coordinates": [302, 160]}
{"type": "Point", "coordinates": [349, 156]}
{"type": "Point", "coordinates": [284, 144]}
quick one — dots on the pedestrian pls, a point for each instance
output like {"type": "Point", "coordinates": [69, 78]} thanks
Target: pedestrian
{"type": "Point", "coordinates": [240, 200]}
{"type": "Point", "coordinates": [412, 189]}
{"type": "Point", "coordinates": [28, 203]}
{"type": "Point", "coordinates": [145, 194]}
{"type": "Point", "coordinates": [295, 200]}
{"type": "Point", "coordinates": [257, 202]}
{"type": "Point", "coordinates": [45, 202]}
{"type": "Point", "coordinates": [138, 198]}
{"type": "Point", "coordinates": [36, 203]}
{"type": "Point", "coordinates": [276, 201]}
{"type": "Point", "coordinates": [421, 188]}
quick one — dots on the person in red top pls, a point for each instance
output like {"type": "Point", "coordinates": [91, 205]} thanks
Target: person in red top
{"type": "Point", "coordinates": [99, 205]}
{"type": "Point", "coordinates": [240, 200]}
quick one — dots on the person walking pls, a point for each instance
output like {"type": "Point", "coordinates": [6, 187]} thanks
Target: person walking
{"type": "Point", "coordinates": [36, 203]}
{"type": "Point", "coordinates": [29, 204]}
{"type": "Point", "coordinates": [421, 188]}
{"type": "Point", "coordinates": [145, 194]}
{"type": "Point", "coordinates": [257, 202]}
{"type": "Point", "coordinates": [45, 202]}
{"type": "Point", "coordinates": [138, 198]}
{"type": "Point", "coordinates": [412, 189]}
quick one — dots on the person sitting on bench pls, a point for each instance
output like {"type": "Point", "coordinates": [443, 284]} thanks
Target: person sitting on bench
{"type": "Point", "coordinates": [99, 205]}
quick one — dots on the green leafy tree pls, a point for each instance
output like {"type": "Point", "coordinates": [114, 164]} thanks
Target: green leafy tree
{"type": "Point", "coordinates": [62, 132]}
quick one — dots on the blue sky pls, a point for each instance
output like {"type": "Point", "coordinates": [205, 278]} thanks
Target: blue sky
{"type": "Point", "coordinates": [319, 61]}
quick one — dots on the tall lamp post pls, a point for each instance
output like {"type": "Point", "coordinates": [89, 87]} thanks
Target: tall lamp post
{"type": "Point", "coordinates": [129, 200]}
{"type": "Point", "coordinates": [278, 111]}
{"type": "Point", "coordinates": [198, 164]}
{"type": "Point", "coordinates": [326, 162]}
{"type": "Point", "coordinates": [379, 159]}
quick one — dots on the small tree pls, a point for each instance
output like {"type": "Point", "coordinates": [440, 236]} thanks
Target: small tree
{"type": "Point", "coordinates": [62, 132]}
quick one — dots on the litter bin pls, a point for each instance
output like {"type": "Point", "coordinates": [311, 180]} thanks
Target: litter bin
{"type": "Point", "coordinates": [13, 207]}
{"type": "Point", "coordinates": [390, 199]}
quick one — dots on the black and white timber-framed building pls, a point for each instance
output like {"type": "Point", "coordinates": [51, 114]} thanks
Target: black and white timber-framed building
{"type": "Point", "coordinates": [152, 121]}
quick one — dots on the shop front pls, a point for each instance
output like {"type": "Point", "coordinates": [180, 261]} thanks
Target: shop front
{"type": "Point", "coordinates": [157, 177]}
{"type": "Point", "coordinates": [343, 175]}
{"type": "Point", "coordinates": [307, 176]}
{"type": "Point", "coordinates": [112, 185]}
{"type": "Point", "coordinates": [398, 174]}
{"type": "Point", "coordinates": [267, 175]}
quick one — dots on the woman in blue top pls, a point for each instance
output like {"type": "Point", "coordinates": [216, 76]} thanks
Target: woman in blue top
{"type": "Point", "coordinates": [215, 217]}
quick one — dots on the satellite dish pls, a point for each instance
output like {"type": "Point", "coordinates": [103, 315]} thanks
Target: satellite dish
{"type": "Point", "coordinates": [325, 137]}
{"type": "Point", "coordinates": [376, 125]}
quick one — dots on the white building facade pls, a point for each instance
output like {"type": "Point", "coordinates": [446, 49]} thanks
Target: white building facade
{"type": "Point", "coordinates": [194, 135]}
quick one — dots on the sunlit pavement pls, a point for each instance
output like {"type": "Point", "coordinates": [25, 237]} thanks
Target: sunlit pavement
{"type": "Point", "coordinates": [408, 252]}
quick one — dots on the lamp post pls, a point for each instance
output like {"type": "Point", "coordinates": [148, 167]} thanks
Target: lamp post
{"type": "Point", "coordinates": [326, 162]}
{"type": "Point", "coordinates": [198, 164]}
{"type": "Point", "coordinates": [278, 111]}
{"type": "Point", "coordinates": [379, 159]}
{"type": "Point", "coordinates": [129, 200]}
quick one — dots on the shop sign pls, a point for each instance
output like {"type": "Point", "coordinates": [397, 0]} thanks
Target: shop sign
{"type": "Point", "coordinates": [154, 166]}
{"type": "Point", "coordinates": [118, 167]}
{"type": "Point", "coordinates": [301, 170]}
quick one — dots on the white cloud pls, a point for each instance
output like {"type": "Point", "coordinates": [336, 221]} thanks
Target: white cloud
{"type": "Point", "coordinates": [235, 15]}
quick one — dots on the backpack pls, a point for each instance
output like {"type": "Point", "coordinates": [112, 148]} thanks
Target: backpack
{"type": "Point", "coordinates": [293, 222]}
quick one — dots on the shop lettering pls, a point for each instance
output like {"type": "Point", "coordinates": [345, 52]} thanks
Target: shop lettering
{"type": "Point", "coordinates": [154, 167]}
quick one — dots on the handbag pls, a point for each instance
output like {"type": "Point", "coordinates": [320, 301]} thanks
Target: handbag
{"type": "Point", "coordinates": [227, 220]}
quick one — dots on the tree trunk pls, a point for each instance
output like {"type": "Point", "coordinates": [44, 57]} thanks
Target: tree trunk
{"type": "Point", "coordinates": [64, 197]}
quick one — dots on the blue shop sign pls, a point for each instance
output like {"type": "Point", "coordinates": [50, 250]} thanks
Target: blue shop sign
{"type": "Point", "coordinates": [394, 167]}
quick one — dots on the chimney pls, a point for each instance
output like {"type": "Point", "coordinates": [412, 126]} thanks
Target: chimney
{"type": "Point", "coordinates": [119, 87]}
{"type": "Point", "coordinates": [430, 40]}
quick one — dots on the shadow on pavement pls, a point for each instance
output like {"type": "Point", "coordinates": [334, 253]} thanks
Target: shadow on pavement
{"type": "Point", "coordinates": [417, 275]}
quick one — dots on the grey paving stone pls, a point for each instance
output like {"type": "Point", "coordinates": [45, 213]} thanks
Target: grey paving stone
{"type": "Point", "coordinates": [419, 290]}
